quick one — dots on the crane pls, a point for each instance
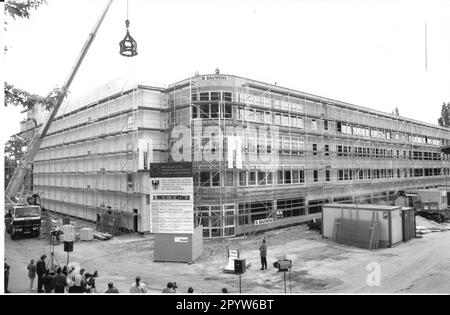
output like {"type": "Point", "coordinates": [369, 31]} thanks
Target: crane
{"type": "Point", "coordinates": [24, 218]}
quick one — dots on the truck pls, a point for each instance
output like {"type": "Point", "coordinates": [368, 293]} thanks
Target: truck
{"type": "Point", "coordinates": [428, 203]}
{"type": "Point", "coordinates": [23, 219]}
{"type": "Point", "coordinates": [22, 212]}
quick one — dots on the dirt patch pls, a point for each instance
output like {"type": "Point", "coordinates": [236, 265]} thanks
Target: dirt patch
{"type": "Point", "coordinates": [305, 282]}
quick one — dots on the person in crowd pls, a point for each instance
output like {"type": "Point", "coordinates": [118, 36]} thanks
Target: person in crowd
{"type": "Point", "coordinates": [48, 282]}
{"type": "Point", "coordinates": [190, 290]}
{"type": "Point", "coordinates": [111, 288]}
{"type": "Point", "coordinates": [65, 271]}
{"type": "Point", "coordinates": [71, 280]}
{"type": "Point", "coordinates": [169, 288]}
{"type": "Point", "coordinates": [138, 287]}
{"type": "Point", "coordinates": [31, 273]}
{"type": "Point", "coordinates": [224, 290]}
{"type": "Point", "coordinates": [79, 285]}
{"type": "Point", "coordinates": [59, 281]}
{"type": "Point", "coordinates": [40, 270]}
{"type": "Point", "coordinates": [6, 279]}
{"type": "Point", "coordinates": [263, 254]}
{"type": "Point", "coordinates": [90, 282]}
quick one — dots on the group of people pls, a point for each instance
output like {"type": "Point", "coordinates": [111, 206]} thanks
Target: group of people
{"type": "Point", "coordinates": [69, 279]}
{"type": "Point", "coordinates": [60, 280]}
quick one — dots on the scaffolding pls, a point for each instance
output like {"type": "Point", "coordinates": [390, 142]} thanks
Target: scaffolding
{"type": "Point", "coordinates": [327, 151]}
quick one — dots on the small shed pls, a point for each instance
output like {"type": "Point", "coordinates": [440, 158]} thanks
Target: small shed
{"type": "Point", "coordinates": [368, 226]}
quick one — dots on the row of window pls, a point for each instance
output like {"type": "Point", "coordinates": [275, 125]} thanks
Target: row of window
{"type": "Point", "coordinates": [362, 174]}
{"type": "Point", "coordinates": [365, 131]}
{"type": "Point", "coordinates": [365, 152]}
{"type": "Point", "coordinates": [297, 176]}
{"type": "Point", "coordinates": [212, 111]}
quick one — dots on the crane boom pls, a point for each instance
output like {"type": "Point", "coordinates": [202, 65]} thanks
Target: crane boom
{"type": "Point", "coordinates": [21, 171]}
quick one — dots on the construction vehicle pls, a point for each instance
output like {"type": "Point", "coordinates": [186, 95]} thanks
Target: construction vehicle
{"type": "Point", "coordinates": [428, 203]}
{"type": "Point", "coordinates": [23, 213]}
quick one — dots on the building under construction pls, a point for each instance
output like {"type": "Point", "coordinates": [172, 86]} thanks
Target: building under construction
{"type": "Point", "coordinates": [263, 156]}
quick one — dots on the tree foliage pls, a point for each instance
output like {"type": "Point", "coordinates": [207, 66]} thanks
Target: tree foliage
{"type": "Point", "coordinates": [14, 146]}
{"type": "Point", "coordinates": [22, 9]}
{"type": "Point", "coordinates": [19, 97]}
{"type": "Point", "coordinates": [444, 120]}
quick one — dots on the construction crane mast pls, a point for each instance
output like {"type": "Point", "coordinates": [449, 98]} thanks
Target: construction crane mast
{"type": "Point", "coordinates": [17, 180]}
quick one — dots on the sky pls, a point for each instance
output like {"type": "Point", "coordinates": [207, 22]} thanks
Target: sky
{"type": "Point", "coordinates": [368, 53]}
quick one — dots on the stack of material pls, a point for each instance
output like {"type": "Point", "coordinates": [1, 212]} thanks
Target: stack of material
{"type": "Point", "coordinates": [86, 234]}
{"type": "Point", "coordinates": [102, 236]}
{"type": "Point", "coordinates": [364, 234]}
{"type": "Point", "coordinates": [68, 233]}
{"type": "Point", "coordinates": [424, 226]}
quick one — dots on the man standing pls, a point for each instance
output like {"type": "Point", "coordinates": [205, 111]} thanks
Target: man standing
{"type": "Point", "coordinates": [111, 288]}
{"type": "Point", "coordinates": [79, 282]}
{"type": "Point", "coordinates": [138, 287]}
{"type": "Point", "coordinates": [263, 254]}
{"type": "Point", "coordinates": [40, 270]}
{"type": "Point", "coordinates": [31, 273]}
{"type": "Point", "coordinates": [59, 281]}
{"type": "Point", "coordinates": [6, 277]}
{"type": "Point", "coordinates": [169, 288]}
{"type": "Point", "coordinates": [48, 282]}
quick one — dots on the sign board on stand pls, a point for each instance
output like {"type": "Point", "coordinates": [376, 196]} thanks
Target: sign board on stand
{"type": "Point", "coordinates": [172, 212]}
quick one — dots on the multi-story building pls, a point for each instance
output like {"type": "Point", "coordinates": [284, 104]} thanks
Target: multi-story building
{"type": "Point", "coordinates": [263, 156]}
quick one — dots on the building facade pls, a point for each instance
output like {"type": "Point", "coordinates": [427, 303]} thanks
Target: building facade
{"type": "Point", "coordinates": [263, 156]}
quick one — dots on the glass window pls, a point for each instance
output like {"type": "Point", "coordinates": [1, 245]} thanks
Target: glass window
{"type": "Point", "coordinates": [229, 179]}
{"type": "Point", "coordinates": [216, 179]}
{"type": "Point", "coordinates": [295, 177]}
{"type": "Point", "coordinates": [252, 178]}
{"type": "Point", "coordinates": [228, 111]}
{"type": "Point", "coordinates": [287, 177]}
{"type": "Point", "coordinates": [204, 111]}
{"type": "Point", "coordinates": [214, 110]}
{"type": "Point", "coordinates": [227, 96]}
{"type": "Point", "coordinates": [205, 179]}
{"type": "Point", "coordinates": [302, 176]}
{"type": "Point", "coordinates": [280, 177]}
{"type": "Point", "coordinates": [262, 178]}
{"type": "Point", "coordinates": [215, 96]}
{"type": "Point", "coordinates": [204, 96]}
{"type": "Point", "coordinates": [269, 178]}
{"type": "Point", "coordinates": [242, 178]}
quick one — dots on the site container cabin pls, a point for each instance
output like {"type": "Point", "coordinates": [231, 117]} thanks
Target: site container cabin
{"type": "Point", "coordinates": [396, 223]}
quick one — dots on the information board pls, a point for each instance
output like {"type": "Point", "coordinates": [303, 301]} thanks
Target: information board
{"type": "Point", "coordinates": [171, 198]}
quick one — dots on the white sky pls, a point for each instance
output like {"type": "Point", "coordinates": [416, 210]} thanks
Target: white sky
{"type": "Point", "coordinates": [369, 53]}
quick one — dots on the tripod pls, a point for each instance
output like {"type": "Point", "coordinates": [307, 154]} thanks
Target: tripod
{"type": "Point", "coordinates": [51, 265]}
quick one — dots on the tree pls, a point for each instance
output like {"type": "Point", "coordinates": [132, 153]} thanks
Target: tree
{"type": "Point", "coordinates": [22, 9]}
{"type": "Point", "coordinates": [14, 147]}
{"type": "Point", "coordinates": [19, 97]}
{"type": "Point", "coordinates": [395, 112]}
{"type": "Point", "coordinates": [444, 120]}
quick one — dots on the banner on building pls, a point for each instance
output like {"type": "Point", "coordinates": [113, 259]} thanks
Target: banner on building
{"type": "Point", "coordinates": [234, 149]}
{"type": "Point", "coordinates": [171, 198]}
{"type": "Point", "coordinates": [145, 153]}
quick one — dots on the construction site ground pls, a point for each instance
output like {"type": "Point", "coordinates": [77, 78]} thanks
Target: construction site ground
{"type": "Point", "coordinates": [421, 265]}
